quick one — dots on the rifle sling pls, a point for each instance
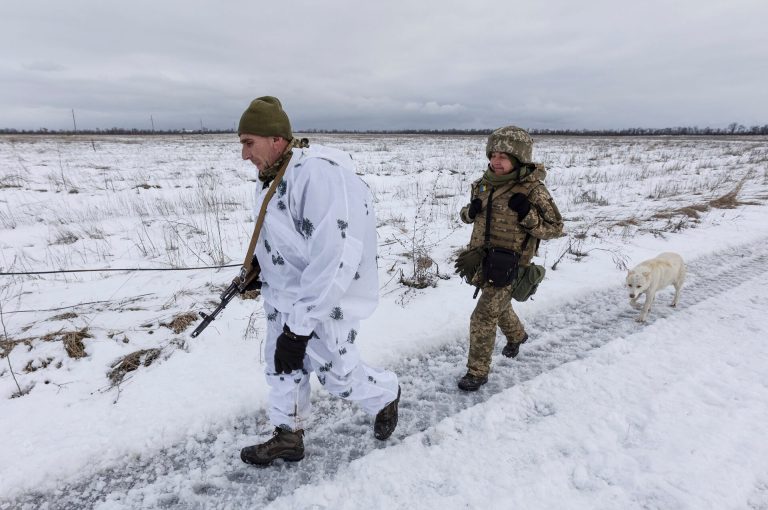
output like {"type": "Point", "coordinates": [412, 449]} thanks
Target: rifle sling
{"type": "Point", "coordinates": [248, 262]}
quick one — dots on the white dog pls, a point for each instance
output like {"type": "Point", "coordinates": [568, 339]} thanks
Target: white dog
{"type": "Point", "coordinates": [652, 275]}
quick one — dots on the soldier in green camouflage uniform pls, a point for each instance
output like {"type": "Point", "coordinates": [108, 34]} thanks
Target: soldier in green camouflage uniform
{"type": "Point", "coordinates": [522, 213]}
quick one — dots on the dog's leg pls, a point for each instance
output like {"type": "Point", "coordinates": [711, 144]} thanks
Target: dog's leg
{"type": "Point", "coordinates": [678, 285]}
{"type": "Point", "coordinates": [650, 295]}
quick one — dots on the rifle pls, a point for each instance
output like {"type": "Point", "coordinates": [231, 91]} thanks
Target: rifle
{"type": "Point", "coordinates": [246, 280]}
{"type": "Point", "coordinates": [250, 270]}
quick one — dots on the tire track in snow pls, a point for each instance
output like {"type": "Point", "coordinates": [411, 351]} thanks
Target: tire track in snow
{"type": "Point", "coordinates": [206, 472]}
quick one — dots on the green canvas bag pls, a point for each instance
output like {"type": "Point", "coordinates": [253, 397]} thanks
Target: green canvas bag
{"type": "Point", "coordinates": [527, 282]}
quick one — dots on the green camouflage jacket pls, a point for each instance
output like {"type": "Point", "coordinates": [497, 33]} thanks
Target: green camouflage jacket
{"type": "Point", "coordinates": [543, 221]}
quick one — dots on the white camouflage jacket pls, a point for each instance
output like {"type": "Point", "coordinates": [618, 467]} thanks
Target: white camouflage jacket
{"type": "Point", "coordinates": [317, 246]}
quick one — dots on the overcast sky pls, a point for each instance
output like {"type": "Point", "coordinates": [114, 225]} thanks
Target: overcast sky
{"type": "Point", "coordinates": [339, 64]}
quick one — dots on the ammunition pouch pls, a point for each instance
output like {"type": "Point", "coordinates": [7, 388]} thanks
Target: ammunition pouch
{"type": "Point", "coordinates": [468, 263]}
{"type": "Point", "coordinates": [500, 266]}
{"type": "Point", "coordinates": [527, 281]}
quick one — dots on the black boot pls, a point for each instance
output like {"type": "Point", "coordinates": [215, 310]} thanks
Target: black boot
{"type": "Point", "coordinates": [386, 419]}
{"type": "Point", "coordinates": [471, 382]}
{"type": "Point", "coordinates": [284, 445]}
{"type": "Point", "coordinates": [513, 348]}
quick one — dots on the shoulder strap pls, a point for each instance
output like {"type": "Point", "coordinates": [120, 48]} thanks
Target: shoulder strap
{"type": "Point", "coordinates": [527, 235]}
{"type": "Point", "coordinates": [248, 273]}
{"type": "Point", "coordinates": [526, 187]}
{"type": "Point", "coordinates": [488, 217]}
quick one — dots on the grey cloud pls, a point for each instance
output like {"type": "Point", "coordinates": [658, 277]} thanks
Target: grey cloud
{"type": "Point", "coordinates": [345, 65]}
{"type": "Point", "coordinates": [45, 67]}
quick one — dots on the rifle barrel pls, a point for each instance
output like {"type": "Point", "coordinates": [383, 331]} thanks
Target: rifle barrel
{"type": "Point", "coordinates": [225, 297]}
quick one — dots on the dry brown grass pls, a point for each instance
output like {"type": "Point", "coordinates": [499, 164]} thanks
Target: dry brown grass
{"type": "Point", "coordinates": [691, 211]}
{"type": "Point", "coordinates": [7, 345]}
{"type": "Point", "coordinates": [729, 200]}
{"type": "Point", "coordinates": [629, 222]}
{"type": "Point", "coordinates": [251, 294]}
{"type": "Point", "coordinates": [63, 316]}
{"type": "Point", "coordinates": [181, 322]}
{"type": "Point", "coordinates": [31, 366]}
{"type": "Point", "coordinates": [73, 341]}
{"type": "Point", "coordinates": [131, 362]}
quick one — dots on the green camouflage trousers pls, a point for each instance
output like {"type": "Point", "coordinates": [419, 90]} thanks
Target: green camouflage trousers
{"type": "Point", "coordinates": [494, 308]}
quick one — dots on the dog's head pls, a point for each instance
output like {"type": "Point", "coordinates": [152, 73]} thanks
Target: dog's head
{"type": "Point", "coordinates": [638, 281]}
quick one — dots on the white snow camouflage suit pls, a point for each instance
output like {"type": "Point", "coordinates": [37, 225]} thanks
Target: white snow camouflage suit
{"type": "Point", "coordinates": [317, 252]}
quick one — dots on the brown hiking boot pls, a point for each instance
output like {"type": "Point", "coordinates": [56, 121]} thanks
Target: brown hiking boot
{"type": "Point", "coordinates": [472, 382]}
{"type": "Point", "coordinates": [386, 419]}
{"type": "Point", "coordinates": [284, 445]}
{"type": "Point", "coordinates": [513, 348]}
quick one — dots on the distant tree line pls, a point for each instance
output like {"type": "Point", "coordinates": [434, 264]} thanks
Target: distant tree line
{"type": "Point", "coordinates": [733, 128]}
{"type": "Point", "coordinates": [110, 131]}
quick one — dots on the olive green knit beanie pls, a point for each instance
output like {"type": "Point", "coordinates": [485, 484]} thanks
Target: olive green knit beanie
{"type": "Point", "coordinates": [265, 117]}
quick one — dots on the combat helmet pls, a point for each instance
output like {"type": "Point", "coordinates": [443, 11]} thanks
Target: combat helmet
{"type": "Point", "coordinates": [512, 140]}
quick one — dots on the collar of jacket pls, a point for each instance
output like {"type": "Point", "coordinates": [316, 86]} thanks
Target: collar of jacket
{"type": "Point", "coordinates": [267, 175]}
{"type": "Point", "coordinates": [517, 175]}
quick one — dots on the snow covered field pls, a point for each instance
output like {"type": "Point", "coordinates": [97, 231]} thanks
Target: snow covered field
{"type": "Point", "coordinates": [106, 402]}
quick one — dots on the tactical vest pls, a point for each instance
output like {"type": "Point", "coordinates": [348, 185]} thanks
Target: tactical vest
{"type": "Point", "coordinates": [506, 231]}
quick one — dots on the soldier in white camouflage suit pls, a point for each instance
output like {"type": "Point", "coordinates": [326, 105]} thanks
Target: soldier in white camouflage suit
{"type": "Point", "coordinates": [521, 214]}
{"type": "Point", "coordinates": [317, 253]}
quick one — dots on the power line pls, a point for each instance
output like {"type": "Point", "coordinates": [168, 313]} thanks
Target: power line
{"type": "Point", "coordinates": [106, 270]}
{"type": "Point", "coordinates": [124, 300]}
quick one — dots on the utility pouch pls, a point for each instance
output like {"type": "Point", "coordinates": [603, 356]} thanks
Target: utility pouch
{"type": "Point", "coordinates": [500, 266]}
{"type": "Point", "coordinates": [468, 263]}
{"type": "Point", "coordinates": [527, 281]}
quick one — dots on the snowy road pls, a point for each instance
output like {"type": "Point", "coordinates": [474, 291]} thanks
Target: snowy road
{"type": "Point", "coordinates": [205, 472]}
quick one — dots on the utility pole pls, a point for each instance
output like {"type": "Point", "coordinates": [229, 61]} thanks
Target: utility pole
{"type": "Point", "coordinates": [74, 122]}
{"type": "Point", "coordinates": [153, 123]}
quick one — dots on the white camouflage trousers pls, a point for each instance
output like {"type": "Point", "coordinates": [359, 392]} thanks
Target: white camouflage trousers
{"type": "Point", "coordinates": [333, 356]}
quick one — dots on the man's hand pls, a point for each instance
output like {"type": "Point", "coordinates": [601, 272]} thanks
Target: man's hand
{"type": "Point", "coordinates": [254, 284]}
{"type": "Point", "coordinates": [290, 350]}
{"type": "Point", "coordinates": [475, 206]}
{"type": "Point", "coordinates": [520, 204]}
{"type": "Point", "coordinates": [252, 278]}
